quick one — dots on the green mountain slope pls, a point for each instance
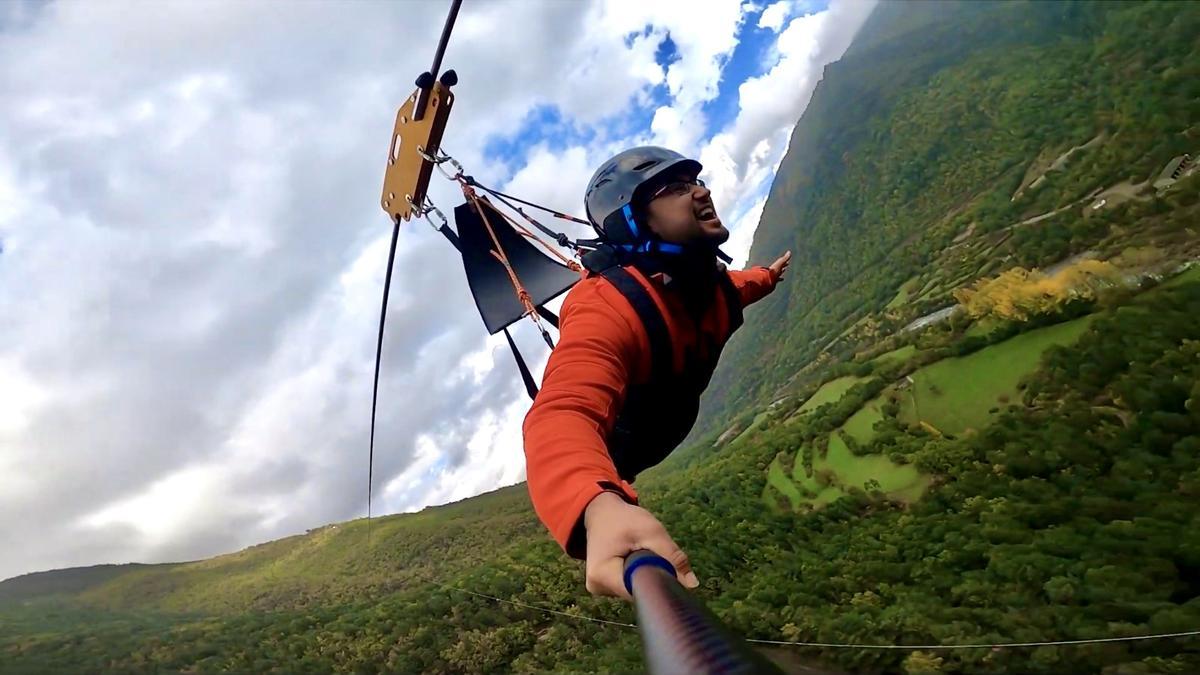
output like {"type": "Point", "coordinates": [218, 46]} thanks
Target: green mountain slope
{"type": "Point", "coordinates": [884, 460]}
{"type": "Point", "coordinates": [928, 126]}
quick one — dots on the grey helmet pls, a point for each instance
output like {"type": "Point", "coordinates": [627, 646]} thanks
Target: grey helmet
{"type": "Point", "coordinates": [613, 188]}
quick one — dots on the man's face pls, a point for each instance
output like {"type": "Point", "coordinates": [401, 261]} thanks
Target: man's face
{"type": "Point", "coordinates": [683, 213]}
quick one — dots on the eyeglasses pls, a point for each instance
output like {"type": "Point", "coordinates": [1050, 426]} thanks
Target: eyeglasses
{"type": "Point", "coordinates": [676, 188]}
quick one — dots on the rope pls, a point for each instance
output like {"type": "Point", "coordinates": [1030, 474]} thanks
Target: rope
{"type": "Point", "coordinates": [498, 252]}
{"type": "Point", "coordinates": [558, 236]}
{"type": "Point", "coordinates": [441, 156]}
{"type": "Point", "coordinates": [531, 310]}
{"type": "Point", "coordinates": [575, 266]}
{"type": "Point", "coordinates": [501, 196]}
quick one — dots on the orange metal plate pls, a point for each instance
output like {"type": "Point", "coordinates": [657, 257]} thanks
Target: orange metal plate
{"type": "Point", "coordinates": [406, 178]}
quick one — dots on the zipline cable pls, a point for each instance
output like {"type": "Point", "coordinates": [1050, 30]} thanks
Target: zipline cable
{"type": "Point", "coordinates": [986, 645]}
{"type": "Point", "coordinates": [418, 113]}
{"type": "Point", "coordinates": [387, 285]}
{"type": "Point", "coordinates": [854, 645]}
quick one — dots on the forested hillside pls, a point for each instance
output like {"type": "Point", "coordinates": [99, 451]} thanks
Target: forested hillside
{"type": "Point", "coordinates": [971, 415]}
{"type": "Point", "coordinates": [920, 134]}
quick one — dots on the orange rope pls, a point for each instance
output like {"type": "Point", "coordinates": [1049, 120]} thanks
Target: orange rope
{"type": "Point", "coordinates": [574, 266]}
{"type": "Point", "coordinates": [498, 252]}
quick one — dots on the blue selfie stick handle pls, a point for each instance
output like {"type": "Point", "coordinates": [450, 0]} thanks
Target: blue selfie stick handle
{"type": "Point", "coordinates": [679, 634]}
{"type": "Point", "coordinates": [641, 559]}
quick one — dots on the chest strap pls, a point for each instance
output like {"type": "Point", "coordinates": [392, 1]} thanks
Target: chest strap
{"type": "Point", "coordinates": [661, 361]}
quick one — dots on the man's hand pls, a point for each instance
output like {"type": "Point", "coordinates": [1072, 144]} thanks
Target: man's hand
{"type": "Point", "coordinates": [780, 265]}
{"type": "Point", "coordinates": [614, 530]}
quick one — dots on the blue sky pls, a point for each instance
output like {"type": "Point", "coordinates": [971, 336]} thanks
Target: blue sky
{"type": "Point", "coordinates": [546, 123]}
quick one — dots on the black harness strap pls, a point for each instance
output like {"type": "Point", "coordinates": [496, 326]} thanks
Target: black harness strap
{"type": "Point", "coordinates": [549, 317]}
{"type": "Point", "coordinates": [531, 387]}
{"type": "Point", "coordinates": [451, 237]}
{"type": "Point", "coordinates": [661, 360]}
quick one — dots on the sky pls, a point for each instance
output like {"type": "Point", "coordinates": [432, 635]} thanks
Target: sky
{"type": "Point", "coordinates": [192, 249]}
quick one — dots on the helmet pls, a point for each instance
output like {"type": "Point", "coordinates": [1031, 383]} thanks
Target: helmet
{"type": "Point", "coordinates": [613, 188]}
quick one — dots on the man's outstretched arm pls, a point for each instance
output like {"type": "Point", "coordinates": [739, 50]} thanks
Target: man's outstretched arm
{"type": "Point", "coordinates": [757, 282]}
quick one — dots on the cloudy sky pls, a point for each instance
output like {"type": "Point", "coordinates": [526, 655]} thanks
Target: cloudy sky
{"type": "Point", "coordinates": [192, 250]}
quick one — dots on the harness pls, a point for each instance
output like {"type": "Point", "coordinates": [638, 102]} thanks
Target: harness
{"type": "Point", "coordinates": [658, 414]}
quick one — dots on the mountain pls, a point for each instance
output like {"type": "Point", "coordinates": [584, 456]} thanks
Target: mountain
{"type": "Point", "coordinates": [971, 415]}
{"type": "Point", "coordinates": [925, 128]}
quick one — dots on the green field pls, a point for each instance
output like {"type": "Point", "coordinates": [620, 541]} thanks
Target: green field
{"type": "Point", "coordinates": [802, 488]}
{"type": "Point", "coordinates": [854, 325]}
{"type": "Point", "coordinates": [955, 394]}
{"type": "Point", "coordinates": [828, 496]}
{"type": "Point", "coordinates": [861, 424]}
{"type": "Point", "coordinates": [777, 479]}
{"type": "Point", "coordinates": [758, 420]}
{"type": "Point", "coordinates": [850, 471]}
{"type": "Point", "coordinates": [894, 356]}
{"type": "Point", "coordinates": [1192, 274]}
{"type": "Point", "coordinates": [983, 326]}
{"type": "Point", "coordinates": [897, 480]}
{"type": "Point", "coordinates": [902, 295]}
{"type": "Point", "coordinates": [807, 484]}
{"type": "Point", "coordinates": [830, 392]}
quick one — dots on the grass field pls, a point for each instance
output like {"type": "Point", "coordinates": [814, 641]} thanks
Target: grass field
{"type": "Point", "coordinates": [828, 495]}
{"type": "Point", "coordinates": [955, 394]}
{"type": "Point", "coordinates": [895, 356]}
{"type": "Point", "coordinates": [777, 479]}
{"type": "Point", "coordinates": [806, 483]}
{"type": "Point", "coordinates": [758, 420]}
{"type": "Point", "coordinates": [897, 480]}
{"type": "Point", "coordinates": [830, 392]}
{"type": "Point", "coordinates": [1192, 274]}
{"type": "Point", "coordinates": [861, 424]}
{"type": "Point", "coordinates": [983, 326]}
{"type": "Point", "coordinates": [850, 471]}
{"type": "Point", "coordinates": [902, 295]}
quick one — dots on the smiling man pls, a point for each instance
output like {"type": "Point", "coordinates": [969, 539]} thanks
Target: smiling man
{"type": "Point", "coordinates": [639, 340]}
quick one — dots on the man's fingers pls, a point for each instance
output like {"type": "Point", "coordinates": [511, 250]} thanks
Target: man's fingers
{"type": "Point", "coordinates": [781, 265]}
{"type": "Point", "coordinates": [607, 578]}
{"type": "Point", "coordinates": [667, 548]}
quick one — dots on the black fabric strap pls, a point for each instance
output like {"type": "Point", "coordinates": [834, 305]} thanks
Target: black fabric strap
{"type": "Point", "coordinates": [733, 302]}
{"type": "Point", "coordinates": [450, 236]}
{"type": "Point", "coordinates": [549, 317]}
{"type": "Point", "coordinates": [530, 386]}
{"type": "Point", "coordinates": [661, 361]}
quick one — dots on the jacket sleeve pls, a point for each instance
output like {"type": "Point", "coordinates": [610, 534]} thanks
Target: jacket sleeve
{"type": "Point", "coordinates": [753, 284]}
{"type": "Point", "coordinates": [566, 455]}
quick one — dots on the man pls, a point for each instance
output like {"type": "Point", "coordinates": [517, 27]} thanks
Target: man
{"type": "Point", "coordinates": [639, 339]}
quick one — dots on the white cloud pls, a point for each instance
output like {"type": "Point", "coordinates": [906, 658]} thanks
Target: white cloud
{"type": "Point", "coordinates": [741, 159]}
{"type": "Point", "coordinates": [178, 498]}
{"type": "Point", "coordinates": [556, 179]}
{"type": "Point", "coordinates": [193, 253]}
{"type": "Point", "coordinates": [704, 35]}
{"type": "Point", "coordinates": [775, 14]}
{"type": "Point", "coordinates": [742, 234]}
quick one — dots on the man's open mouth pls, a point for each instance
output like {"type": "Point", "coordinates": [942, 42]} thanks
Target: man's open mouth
{"type": "Point", "coordinates": [706, 213]}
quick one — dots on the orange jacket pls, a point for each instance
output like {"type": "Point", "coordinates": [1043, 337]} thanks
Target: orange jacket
{"type": "Point", "coordinates": [602, 350]}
